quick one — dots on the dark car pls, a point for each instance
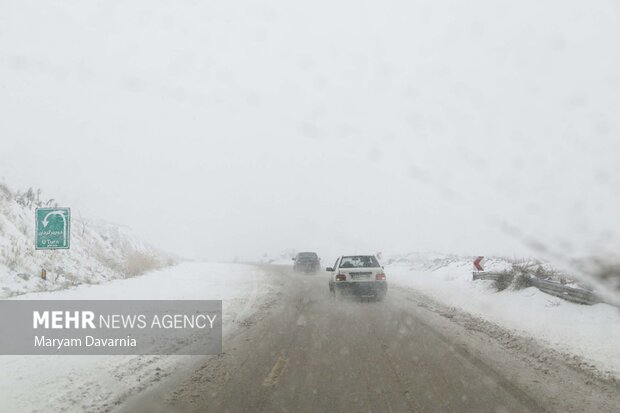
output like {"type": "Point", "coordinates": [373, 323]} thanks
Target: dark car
{"type": "Point", "coordinates": [307, 262]}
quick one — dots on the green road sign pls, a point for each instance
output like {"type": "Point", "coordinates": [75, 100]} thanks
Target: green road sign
{"type": "Point", "coordinates": [52, 228]}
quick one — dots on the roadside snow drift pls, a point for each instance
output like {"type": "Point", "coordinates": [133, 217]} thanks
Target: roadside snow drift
{"type": "Point", "coordinates": [91, 383]}
{"type": "Point", "coordinates": [590, 332]}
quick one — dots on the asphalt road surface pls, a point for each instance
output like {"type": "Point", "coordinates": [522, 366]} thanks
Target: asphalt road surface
{"type": "Point", "coordinates": [304, 352]}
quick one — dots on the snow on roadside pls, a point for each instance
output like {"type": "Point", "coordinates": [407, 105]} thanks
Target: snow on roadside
{"type": "Point", "coordinates": [590, 332]}
{"type": "Point", "coordinates": [100, 251]}
{"type": "Point", "coordinates": [92, 383]}
{"type": "Point", "coordinates": [288, 262]}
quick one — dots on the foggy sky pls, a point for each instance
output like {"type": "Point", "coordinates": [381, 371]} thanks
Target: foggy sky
{"type": "Point", "coordinates": [223, 129]}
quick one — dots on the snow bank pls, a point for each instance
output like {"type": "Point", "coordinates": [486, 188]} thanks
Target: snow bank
{"type": "Point", "coordinates": [100, 251]}
{"type": "Point", "coordinates": [92, 383]}
{"type": "Point", "coordinates": [591, 332]}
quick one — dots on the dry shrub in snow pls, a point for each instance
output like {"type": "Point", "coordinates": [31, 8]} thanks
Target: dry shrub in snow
{"type": "Point", "coordinates": [138, 263]}
{"type": "Point", "coordinates": [518, 276]}
{"type": "Point", "coordinates": [520, 280]}
{"type": "Point", "coordinates": [13, 254]}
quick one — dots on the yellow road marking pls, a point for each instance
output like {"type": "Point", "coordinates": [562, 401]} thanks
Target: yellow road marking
{"type": "Point", "coordinates": [275, 373]}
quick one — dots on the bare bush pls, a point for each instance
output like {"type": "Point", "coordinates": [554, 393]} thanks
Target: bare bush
{"type": "Point", "coordinates": [5, 192]}
{"type": "Point", "coordinates": [138, 263]}
{"type": "Point", "coordinates": [100, 254]}
{"type": "Point", "coordinates": [503, 281]}
{"type": "Point", "coordinates": [517, 277]}
{"type": "Point", "coordinates": [32, 198]}
{"type": "Point", "coordinates": [520, 280]}
{"type": "Point", "coordinates": [13, 255]}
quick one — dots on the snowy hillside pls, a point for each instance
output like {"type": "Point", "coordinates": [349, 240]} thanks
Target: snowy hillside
{"type": "Point", "coordinates": [99, 251]}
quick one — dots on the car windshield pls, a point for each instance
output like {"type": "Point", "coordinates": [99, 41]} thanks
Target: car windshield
{"type": "Point", "coordinates": [359, 261]}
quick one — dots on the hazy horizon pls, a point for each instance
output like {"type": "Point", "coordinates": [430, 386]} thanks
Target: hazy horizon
{"type": "Point", "coordinates": [229, 130]}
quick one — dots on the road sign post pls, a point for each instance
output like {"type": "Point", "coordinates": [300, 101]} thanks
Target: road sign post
{"type": "Point", "coordinates": [53, 228]}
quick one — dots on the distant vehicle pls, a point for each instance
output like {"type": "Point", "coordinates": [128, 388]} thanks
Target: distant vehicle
{"type": "Point", "coordinates": [307, 262]}
{"type": "Point", "coordinates": [360, 275]}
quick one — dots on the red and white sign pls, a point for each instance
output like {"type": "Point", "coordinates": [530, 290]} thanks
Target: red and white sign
{"type": "Point", "coordinates": [478, 264]}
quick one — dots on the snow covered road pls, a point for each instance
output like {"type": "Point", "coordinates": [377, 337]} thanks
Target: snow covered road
{"type": "Point", "coordinates": [437, 343]}
{"type": "Point", "coordinates": [589, 333]}
{"type": "Point", "coordinates": [408, 353]}
{"type": "Point", "coordinates": [97, 383]}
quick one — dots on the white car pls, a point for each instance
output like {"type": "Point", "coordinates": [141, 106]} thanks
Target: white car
{"type": "Point", "coordinates": [357, 275]}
